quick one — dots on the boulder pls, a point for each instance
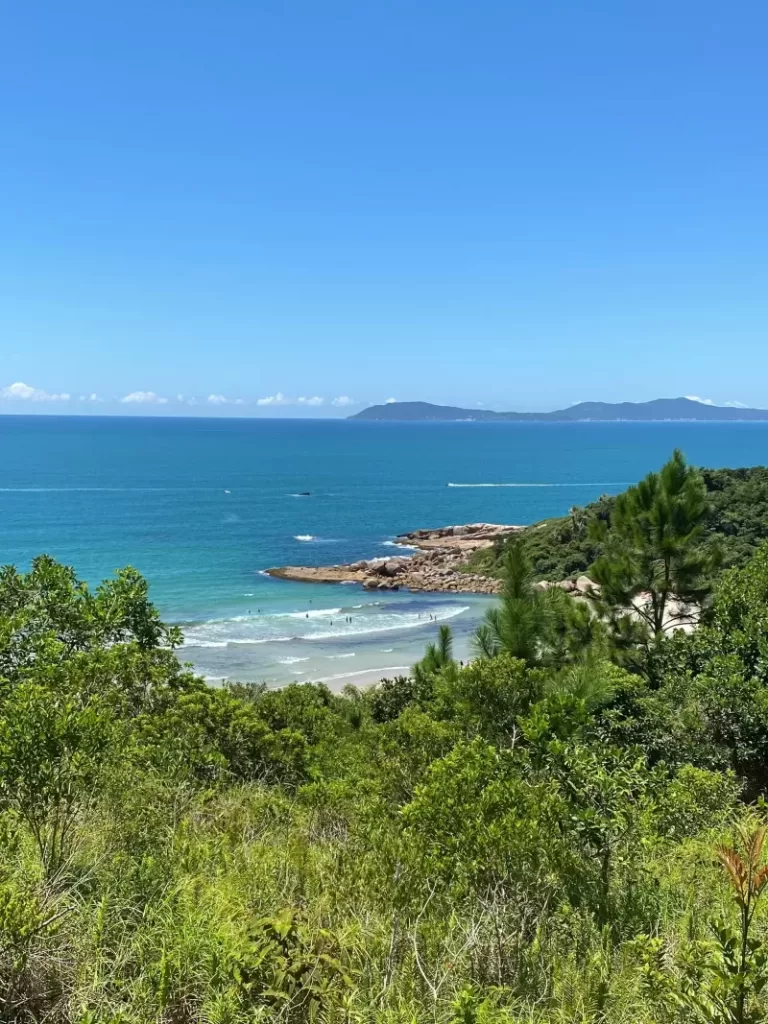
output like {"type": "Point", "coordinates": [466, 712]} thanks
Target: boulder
{"type": "Point", "coordinates": [584, 585]}
{"type": "Point", "coordinates": [391, 568]}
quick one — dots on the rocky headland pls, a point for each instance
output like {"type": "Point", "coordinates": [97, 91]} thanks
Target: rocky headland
{"type": "Point", "coordinates": [439, 564]}
{"type": "Point", "coordinates": [435, 565]}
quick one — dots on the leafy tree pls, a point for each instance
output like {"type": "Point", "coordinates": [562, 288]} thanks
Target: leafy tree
{"type": "Point", "coordinates": [392, 696]}
{"type": "Point", "coordinates": [477, 823]}
{"type": "Point", "coordinates": [489, 696]}
{"type": "Point", "coordinates": [48, 614]}
{"type": "Point", "coordinates": [521, 625]}
{"type": "Point", "coordinates": [653, 555]}
{"type": "Point", "coordinates": [538, 626]}
{"type": "Point", "coordinates": [438, 657]}
{"type": "Point", "coordinates": [53, 750]}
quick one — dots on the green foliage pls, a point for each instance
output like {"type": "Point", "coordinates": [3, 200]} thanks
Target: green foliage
{"type": "Point", "coordinates": [721, 983]}
{"type": "Point", "coordinates": [476, 823]}
{"type": "Point", "coordinates": [520, 839]}
{"type": "Point", "coordinates": [653, 554]}
{"type": "Point", "coordinates": [52, 751]}
{"type": "Point", "coordinates": [291, 969]}
{"type": "Point", "coordinates": [48, 614]}
{"type": "Point", "coordinates": [736, 517]}
{"type": "Point", "coordinates": [540, 627]}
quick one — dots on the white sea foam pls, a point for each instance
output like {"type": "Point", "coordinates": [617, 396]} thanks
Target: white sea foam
{"type": "Point", "coordinates": [333, 657]}
{"type": "Point", "coordinates": [362, 672]}
{"type": "Point", "coordinates": [609, 483]}
{"type": "Point", "coordinates": [304, 536]}
{"type": "Point", "coordinates": [315, 613]}
{"type": "Point", "coordinates": [265, 629]}
{"type": "Point", "coordinates": [291, 661]}
{"type": "Point", "coordinates": [404, 621]}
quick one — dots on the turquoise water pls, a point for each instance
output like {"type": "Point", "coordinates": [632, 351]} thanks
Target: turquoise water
{"type": "Point", "coordinates": [203, 506]}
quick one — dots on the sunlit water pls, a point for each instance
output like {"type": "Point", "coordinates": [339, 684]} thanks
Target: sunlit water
{"type": "Point", "coordinates": [202, 507]}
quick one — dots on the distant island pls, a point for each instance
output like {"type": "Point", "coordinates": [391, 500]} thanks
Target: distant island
{"type": "Point", "coordinates": [660, 409]}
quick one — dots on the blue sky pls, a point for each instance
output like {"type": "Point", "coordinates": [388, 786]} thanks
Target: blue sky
{"type": "Point", "coordinates": [523, 205]}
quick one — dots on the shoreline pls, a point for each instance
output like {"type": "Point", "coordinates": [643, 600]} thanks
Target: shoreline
{"type": "Point", "coordinates": [435, 567]}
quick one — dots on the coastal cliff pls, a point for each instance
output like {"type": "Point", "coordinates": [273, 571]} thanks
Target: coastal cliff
{"type": "Point", "coordinates": [436, 565]}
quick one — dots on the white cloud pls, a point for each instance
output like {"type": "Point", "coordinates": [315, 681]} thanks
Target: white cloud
{"type": "Point", "coordinates": [278, 399]}
{"type": "Point", "coordinates": [223, 400]}
{"type": "Point", "coordinates": [314, 400]}
{"type": "Point", "coordinates": [24, 393]}
{"type": "Point", "coordinates": [390, 401]}
{"type": "Point", "coordinates": [708, 401]}
{"type": "Point", "coordinates": [344, 400]}
{"type": "Point", "coordinates": [144, 398]}
{"type": "Point", "coordinates": [701, 401]}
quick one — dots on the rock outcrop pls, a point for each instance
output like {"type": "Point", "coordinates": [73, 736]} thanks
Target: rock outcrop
{"type": "Point", "coordinates": [436, 565]}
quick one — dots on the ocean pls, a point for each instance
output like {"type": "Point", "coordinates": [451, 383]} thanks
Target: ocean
{"type": "Point", "coordinates": [203, 506]}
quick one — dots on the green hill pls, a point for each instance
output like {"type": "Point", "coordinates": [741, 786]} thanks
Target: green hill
{"type": "Point", "coordinates": [563, 547]}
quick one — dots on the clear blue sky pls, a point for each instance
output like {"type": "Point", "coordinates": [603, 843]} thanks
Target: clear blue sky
{"type": "Point", "coordinates": [523, 205]}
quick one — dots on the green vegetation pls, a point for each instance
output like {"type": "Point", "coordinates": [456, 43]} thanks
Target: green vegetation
{"type": "Point", "coordinates": [543, 835]}
{"type": "Point", "coordinates": [541, 627]}
{"type": "Point", "coordinates": [736, 519]}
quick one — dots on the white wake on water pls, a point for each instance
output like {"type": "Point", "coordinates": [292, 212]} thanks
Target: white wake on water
{"type": "Point", "coordinates": [609, 483]}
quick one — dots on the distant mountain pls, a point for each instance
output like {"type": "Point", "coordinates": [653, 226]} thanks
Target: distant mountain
{"type": "Point", "coordinates": [659, 409]}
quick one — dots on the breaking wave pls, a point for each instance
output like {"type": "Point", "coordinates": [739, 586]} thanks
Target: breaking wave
{"type": "Point", "coordinates": [319, 624]}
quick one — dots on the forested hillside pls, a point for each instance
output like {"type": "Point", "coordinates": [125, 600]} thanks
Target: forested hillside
{"type": "Point", "coordinates": [568, 829]}
{"type": "Point", "coordinates": [737, 518]}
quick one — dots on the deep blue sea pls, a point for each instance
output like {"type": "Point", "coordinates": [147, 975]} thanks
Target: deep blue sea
{"type": "Point", "coordinates": [203, 506]}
